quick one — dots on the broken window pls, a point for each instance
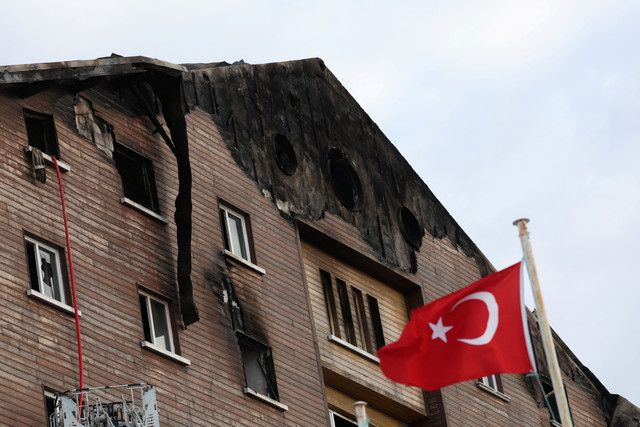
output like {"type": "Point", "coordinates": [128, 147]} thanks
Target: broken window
{"type": "Point", "coordinates": [236, 233]}
{"type": "Point", "coordinates": [41, 132]}
{"type": "Point", "coordinates": [359, 322]}
{"type": "Point", "coordinates": [338, 420]}
{"type": "Point", "coordinates": [156, 322]}
{"type": "Point", "coordinates": [50, 401]}
{"type": "Point", "coordinates": [361, 316]}
{"type": "Point", "coordinates": [45, 271]}
{"type": "Point", "coordinates": [376, 322]}
{"type": "Point", "coordinates": [346, 183]}
{"type": "Point", "coordinates": [550, 399]}
{"type": "Point", "coordinates": [136, 172]}
{"type": "Point", "coordinates": [285, 155]}
{"type": "Point", "coordinates": [345, 306]}
{"type": "Point", "coordinates": [330, 303]}
{"type": "Point", "coordinates": [259, 371]}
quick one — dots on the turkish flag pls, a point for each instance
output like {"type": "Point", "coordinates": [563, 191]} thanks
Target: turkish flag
{"type": "Point", "coordinates": [477, 331]}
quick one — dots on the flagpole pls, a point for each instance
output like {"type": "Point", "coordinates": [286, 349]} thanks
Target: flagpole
{"type": "Point", "coordinates": [545, 330]}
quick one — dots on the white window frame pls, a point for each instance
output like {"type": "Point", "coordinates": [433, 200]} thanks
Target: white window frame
{"type": "Point", "coordinates": [56, 267]}
{"type": "Point", "coordinates": [148, 299]}
{"type": "Point", "coordinates": [234, 246]}
{"type": "Point", "coordinates": [490, 382]}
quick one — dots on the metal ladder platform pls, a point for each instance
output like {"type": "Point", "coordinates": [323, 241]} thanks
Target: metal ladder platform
{"type": "Point", "coordinates": [102, 407]}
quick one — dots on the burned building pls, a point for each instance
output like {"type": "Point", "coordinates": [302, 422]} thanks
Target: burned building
{"type": "Point", "coordinates": [242, 240]}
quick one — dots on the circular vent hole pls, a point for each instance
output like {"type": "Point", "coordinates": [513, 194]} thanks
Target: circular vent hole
{"type": "Point", "coordinates": [346, 183]}
{"type": "Point", "coordinates": [410, 227]}
{"type": "Point", "coordinates": [285, 156]}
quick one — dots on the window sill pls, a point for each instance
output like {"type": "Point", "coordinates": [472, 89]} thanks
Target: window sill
{"type": "Point", "coordinates": [64, 167]}
{"type": "Point", "coordinates": [266, 399]}
{"type": "Point", "coordinates": [496, 393]}
{"type": "Point", "coordinates": [229, 254]}
{"type": "Point", "coordinates": [555, 423]}
{"type": "Point", "coordinates": [148, 212]}
{"type": "Point", "coordinates": [52, 302]}
{"type": "Point", "coordinates": [162, 352]}
{"type": "Point", "coordinates": [353, 348]}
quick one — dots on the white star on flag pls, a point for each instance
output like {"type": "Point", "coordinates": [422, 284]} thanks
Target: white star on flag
{"type": "Point", "coordinates": [439, 330]}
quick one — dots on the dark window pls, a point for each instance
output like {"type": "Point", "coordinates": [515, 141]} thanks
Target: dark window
{"type": "Point", "coordinates": [410, 227]}
{"type": "Point", "coordinates": [360, 327]}
{"type": "Point", "coordinates": [285, 155]}
{"type": "Point", "coordinates": [136, 172]}
{"type": "Point", "coordinates": [345, 306]}
{"type": "Point", "coordinates": [550, 399]}
{"type": "Point", "coordinates": [340, 421]}
{"type": "Point", "coordinates": [330, 302]}
{"type": "Point", "coordinates": [259, 371]}
{"type": "Point", "coordinates": [378, 333]}
{"type": "Point", "coordinates": [361, 315]}
{"type": "Point", "coordinates": [346, 183]}
{"type": "Point", "coordinates": [41, 132]}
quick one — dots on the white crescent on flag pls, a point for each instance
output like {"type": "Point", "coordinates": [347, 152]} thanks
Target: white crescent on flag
{"type": "Point", "coordinates": [492, 323]}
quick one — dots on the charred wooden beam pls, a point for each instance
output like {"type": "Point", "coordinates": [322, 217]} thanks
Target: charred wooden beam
{"type": "Point", "coordinates": [169, 90]}
{"type": "Point", "coordinates": [152, 116]}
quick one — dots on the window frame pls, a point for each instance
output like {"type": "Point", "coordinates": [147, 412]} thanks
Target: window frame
{"type": "Point", "coordinates": [150, 340]}
{"type": "Point", "coordinates": [248, 344]}
{"type": "Point", "coordinates": [34, 266]}
{"type": "Point", "coordinates": [149, 204]}
{"type": "Point", "coordinates": [363, 338]}
{"type": "Point", "coordinates": [493, 385]}
{"type": "Point", "coordinates": [229, 241]}
{"type": "Point", "coordinates": [49, 139]}
{"type": "Point", "coordinates": [245, 221]}
{"type": "Point", "coordinates": [334, 414]}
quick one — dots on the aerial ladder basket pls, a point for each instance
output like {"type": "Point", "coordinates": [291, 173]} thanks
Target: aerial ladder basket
{"type": "Point", "coordinates": [100, 407]}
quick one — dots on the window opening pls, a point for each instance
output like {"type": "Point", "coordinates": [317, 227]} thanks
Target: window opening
{"type": "Point", "coordinates": [345, 306]}
{"type": "Point", "coordinates": [136, 172]}
{"type": "Point", "coordinates": [41, 132]}
{"type": "Point", "coordinates": [257, 359]}
{"type": "Point", "coordinates": [156, 322]}
{"type": "Point", "coordinates": [338, 420]}
{"type": "Point", "coordinates": [361, 327]}
{"type": "Point", "coordinates": [410, 227]}
{"type": "Point", "coordinates": [50, 407]}
{"type": "Point", "coordinates": [236, 236]}
{"type": "Point", "coordinates": [491, 382]}
{"type": "Point", "coordinates": [376, 321]}
{"type": "Point", "coordinates": [330, 302]}
{"type": "Point", "coordinates": [361, 315]}
{"type": "Point", "coordinates": [346, 183]}
{"type": "Point", "coordinates": [44, 270]}
{"type": "Point", "coordinates": [285, 155]}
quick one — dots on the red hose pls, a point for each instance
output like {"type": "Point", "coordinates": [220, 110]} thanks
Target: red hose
{"type": "Point", "coordinates": [73, 282]}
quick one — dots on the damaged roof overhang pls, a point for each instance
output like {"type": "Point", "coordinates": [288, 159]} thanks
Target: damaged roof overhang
{"type": "Point", "coordinates": [69, 71]}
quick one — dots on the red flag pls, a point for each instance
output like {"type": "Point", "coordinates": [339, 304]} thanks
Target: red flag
{"type": "Point", "coordinates": [477, 331]}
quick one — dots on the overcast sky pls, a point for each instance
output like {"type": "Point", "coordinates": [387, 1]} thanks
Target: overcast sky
{"type": "Point", "coordinates": [506, 109]}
